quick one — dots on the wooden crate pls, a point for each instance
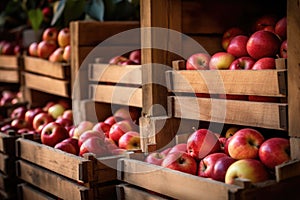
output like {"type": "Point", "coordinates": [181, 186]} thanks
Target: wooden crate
{"type": "Point", "coordinates": [61, 174]}
{"type": "Point", "coordinates": [170, 183]}
{"type": "Point", "coordinates": [9, 69]}
{"type": "Point", "coordinates": [86, 35]}
{"type": "Point", "coordinates": [28, 192]}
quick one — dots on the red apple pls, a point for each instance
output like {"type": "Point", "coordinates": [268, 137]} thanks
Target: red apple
{"type": "Point", "coordinates": [198, 61]}
{"type": "Point", "coordinates": [102, 127]}
{"type": "Point", "coordinates": [40, 121]}
{"type": "Point", "coordinates": [222, 141]}
{"type": "Point", "coordinates": [263, 44]}
{"type": "Point", "coordinates": [221, 60]}
{"type": "Point", "coordinates": [231, 131]}
{"type": "Point", "coordinates": [89, 133]}
{"type": "Point", "coordinates": [283, 49]}
{"type": "Point", "coordinates": [65, 122]}
{"type": "Point", "coordinates": [68, 114]}
{"type": "Point", "coordinates": [94, 145]}
{"type": "Point", "coordinates": [30, 114]}
{"type": "Point", "coordinates": [264, 21]}
{"type": "Point", "coordinates": [53, 133]}
{"type": "Point", "coordinates": [130, 141]}
{"type": "Point", "coordinates": [206, 165]}
{"type": "Point", "coordinates": [155, 158]}
{"type": "Point", "coordinates": [18, 113]}
{"type": "Point", "coordinates": [67, 53]}
{"type": "Point", "coordinates": [130, 113]}
{"type": "Point", "coordinates": [220, 168]}
{"type": "Point", "coordinates": [57, 55]}
{"type": "Point", "coordinates": [82, 127]}
{"type": "Point", "coordinates": [119, 128]}
{"type": "Point", "coordinates": [245, 143]}
{"type": "Point", "coordinates": [63, 37]}
{"type": "Point", "coordinates": [250, 169]}
{"type": "Point", "coordinates": [112, 120]}
{"type": "Point", "coordinates": [264, 63]}
{"type": "Point", "coordinates": [117, 60]}
{"type": "Point", "coordinates": [274, 151]}
{"type": "Point", "coordinates": [74, 142]}
{"type": "Point", "coordinates": [17, 50]}
{"type": "Point", "coordinates": [45, 49]}
{"type": "Point", "coordinates": [19, 123]}
{"type": "Point", "coordinates": [244, 62]}
{"type": "Point", "coordinates": [180, 161]}
{"type": "Point", "coordinates": [50, 34]}
{"type": "Point", "coordinates": [32, 49]}
{"type": "Point", "coordinates": [201, 143]}
{"type": "Point", "coordinates": [229, 34]}
{"type": "Point", "coordinates": [8, 49]}
{"type": "Point", "coordinates": [237, 46]}
{"type": "Point", "coordinates": [182, 147]}
{"type": "Point", "coordinates": [66, 147]}
{"type": "Point", "coordinates": [281, 28]}
{"type": "Point", "coordinates": [56, 110]}
{"type": "Point", "coordinates": [135, 56]}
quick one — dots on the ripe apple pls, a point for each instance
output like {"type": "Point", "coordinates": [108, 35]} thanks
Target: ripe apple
{"type": "Point", "coordinates": [67, 53]}
{"type": "Point", "coordinates": [180, 161]}
{"type": "Point", "coordinates": [220, 168]}
{"type": "Point", "coordinates": [94, 145]}
{"type": "Point", "coordinates": [119, 128]}
{"type": "Point", "coordinates": [274, 151]}
{"type": "Point", "coordinates": [264, 63]}
{"type": "Point", "coordinates": [244, 62]}
{"type": "Point", "coordinates": [206, 165]}
{"type": "Point", "coordinates": [245, 143]}
{"type": "Point", "coordinates": [198, 61]}
{"type": "Point", "coordinates": [221, 60]}
{"type": "Point", "coordinates": [237, 46]}
{"type": "Point", "coordinates": [182, 147]}
{"type": "Point", "coordinates": [112, 120]}
{"type": "Point", "coordinates": [263, 44]}
{"type": "Point", "coordinates": [201, 143]}
{"type": "Point", "coordinates": [18, 113]}
{"type": "Point", "coordinates": [45, 49]}
{"type": "Point", "coordinates": [63, 37]}
{"type": "Point", "coordinates": [65, 122]}
{"type": "Point", "coordinates": [56, 110]}
{"type": "Point", "coordinates": [283, 49]}
{"type": "Point", "coordinates": [68, 114]}
{"type": "Point", "coordinates": [251, 169]}
{"type": "Point", "coordinates": [281, 28]}
{"type": "Point", "coordinates": [264, 21]}
{"type": "Point", "coordinates": [82, 127]}
{"type": "Point", "coordinates": [117, 60]}
{"type": "Point", "coordinates": [48, 105]}
{"type": "Point", "coordinates": [40, 121]}
{"type": "Point", "coordinates": [50, 34]}
{"type": "Point", "coordinates": [53, 133]}
{"type": "Point", "coordinates": [89, 133]}
{"type": "Point", "coordinates": [30, 114]}
{"type": "Point", "coordinates": [19, 123]}
{"type": "Point", "coordinates": [57, 55]}
{"type": "Point", "coordinates": [130, 113]}
{"type": "Point", "coordinates": [130, 141]}
{"type": "Point", "coordinates": [8, 49]}
{"type": "Point", "coordinates": [102, 127]}
{"type": "Point", "coordinates": [231, 131]}
{"type": "Point", "coordinates": [66, 147]}
{"type": "Point", "coordinates": [32, 49]}
{"type": "Point", "coordinates": [229, 34]}
{"type": "Point", "coordinates": [155, 158]}
{"type": "Point", "coordinates": [222, 141]}
{"type": "Point", "coordinates": [74, 142]}
{"type": "Point", "coordinates": [135, 56]}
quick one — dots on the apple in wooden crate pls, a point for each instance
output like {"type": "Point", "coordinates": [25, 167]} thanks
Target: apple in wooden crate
{"type": "Point", "coordinates": [206, 165]}
{"type": "Point", "coordinates": [198, 61]}
{"type": "Point", "coordinates": [283, 49]}
{"type": "Point", "coordinates": [63, 37]}
{"type": "Point", "coordinates": [281, 28]}
{"type": "Point", "coordinates": [88, 134]}
{"type": "Point", "coordinates": [237, 46]}
{"type": "Point", "coordinates": [221, 60]}
{"type": "Point", "coordinates": [120, 128]}
{"type": "Point", "coordinates": [45, 49]}
{"type": "Point", "coordinates": [244, 62]}
{"type": "Point", "coordinates": [264, 22]}
{"type": "Point", "coordinates": [264, 63]}
{"type": "Point", "coordinates": [53, 133]}
{"type": "Point", "coordinates": [41, 120]}
{"type": "Point", "coordinates": [229, 34]}
{"type": "Point", "coordinates": [50, 34]}
{"type": "Point", "coordinates": [220, 168]}
{"type": "Point", "coordinates": [130, 141]}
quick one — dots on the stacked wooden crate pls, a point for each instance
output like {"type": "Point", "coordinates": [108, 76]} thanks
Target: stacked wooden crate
{"type": "Point", "coordinates": [10, 69]}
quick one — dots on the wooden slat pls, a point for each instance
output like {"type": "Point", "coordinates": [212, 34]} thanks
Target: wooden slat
{"type": "Point", "coordinates": [9, 76]}
{"type": "Point", "coordinates": [287, 170]}
{"type": "Point", "coordinates": [7, 164]}
{"type": "Point", "coordinates": [131, 74]}
{"type": "Point", "coordinates": [27, 192]}
{"type": "Point", "coordinates": [7, 144]}
{"type": "Point", "coordinates": [68, 165]}
{"type": "Point", "coordinates": [293, 31]}
{"type": "Point", "coordinates": [129, 96]}
{"type": "Point", "coordinates": [10, 62]}
{"type": "Point", "coordinates": [264, 115]}
{"type": "Point", "coordinates": [295, 146]}
{"type": "Point", "coordinates": [169, 182]}
{"type": "Point", "coordinates": [47, 84]}
{"type": "Point", "coordinates": [238, 82]}
{"type": "Point", "coordinates": [51, 182]}
{"type": "Point", "coordinates": [47, 68]}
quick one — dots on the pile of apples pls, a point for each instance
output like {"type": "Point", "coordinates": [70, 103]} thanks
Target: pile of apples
{"type": "Point", "coordinates": [9, 48]}
{"type": "Point", "coordinates": [53, 125]}
{"type": "Point", "coordinates": [254, 49]}
{"type": "Point", "coordinates": [134, 58]}
{"type": "Point", "coordinates": [55, 45]}
{"type": "Point", "coordinates": [8, 97]}
{"type": "Point", "coordinates": [242, 153]}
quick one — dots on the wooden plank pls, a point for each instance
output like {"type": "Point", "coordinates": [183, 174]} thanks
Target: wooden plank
{"type": "Point", "coordinates": [129, 96]}
{"type": "Point", "coordinates": [9, 76]}
{"type": "Point", "coordinates": [169, 182]}
{"type": "Point", "coordinates": [7, 164]}
{"type": "Point", "coordinates": [47, 84]}
{"type": "Point", "coordinates": [10, 62]}
{"type": "Point", "coordinates": [238, 82]}
{"type": "Point", "coordinates": [264, 115]}
{"type": "Point", "coordinates": [287, 170]}
{"type": "Point", "coordinates": [47, 68]}
{"type": "Point", "coordinates": [68, 165]}
{"type": "Point", "coordinates": [158, 47]}
{"type": "Point", "coordinates": [51, 182]}
{"type": "Point", "coordinates": [295, 146]}
{"type": "Point", "coordinates": [293, 30]}
{"type": "Point", "coordinates": [27, 192]}
{"type": "Point", "coordinates": [130, 74]}
{"type": "Point", "coordinates": [7, 144]}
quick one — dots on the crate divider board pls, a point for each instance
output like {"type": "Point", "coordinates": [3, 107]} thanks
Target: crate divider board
{"type": "Point", "coordinates": [10, 69]}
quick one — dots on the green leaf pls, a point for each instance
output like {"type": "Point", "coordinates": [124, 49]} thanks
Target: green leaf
{"type": "Point", "coordinates": [36, 18]}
